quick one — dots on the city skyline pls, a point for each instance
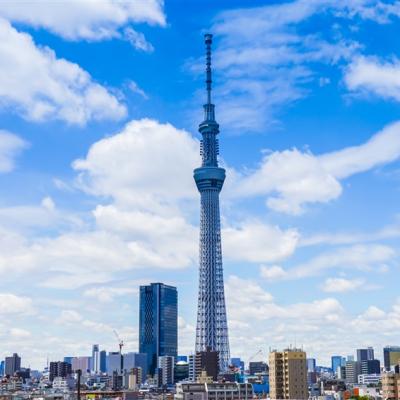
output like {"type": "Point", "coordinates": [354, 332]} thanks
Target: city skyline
{"type": "Point", "coordinates": [98, 141]}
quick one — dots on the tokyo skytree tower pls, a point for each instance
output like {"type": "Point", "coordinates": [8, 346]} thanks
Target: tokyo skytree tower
{"type": "Point", "coordinates": [212, 328]}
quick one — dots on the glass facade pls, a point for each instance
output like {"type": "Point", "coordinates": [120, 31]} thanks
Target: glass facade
{"type": "Point", "coordinates": [158, 323]}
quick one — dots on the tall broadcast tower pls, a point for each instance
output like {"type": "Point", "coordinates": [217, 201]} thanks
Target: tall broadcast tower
{"type": "Point", "coordinates": [212, 328]}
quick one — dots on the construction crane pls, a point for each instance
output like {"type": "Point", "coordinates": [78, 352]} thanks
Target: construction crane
{"type": "Point", "coordinates": [121, 345]}
{"type": "Point", "coordinates": [255, 355]}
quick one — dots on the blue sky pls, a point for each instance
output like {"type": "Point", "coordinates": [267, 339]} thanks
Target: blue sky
{"type": "Point", "coordinates": [99, 107]}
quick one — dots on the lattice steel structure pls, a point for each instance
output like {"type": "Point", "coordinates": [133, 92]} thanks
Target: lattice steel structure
{"type": "Point", "coordinates": [212, 328]}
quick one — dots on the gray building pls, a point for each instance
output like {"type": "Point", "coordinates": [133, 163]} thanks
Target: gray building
{"type": "Point", "coordinates": [135, 360]}
{"type": "Point", "coordinates": [12, 364]}
{"type": "Point", "coordinates": [214, 391]}
{"type": "Point", "coordinates": [353, 370]}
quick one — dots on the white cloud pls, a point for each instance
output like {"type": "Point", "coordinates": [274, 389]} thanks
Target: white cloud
{"type": "Point", "coordinates": [40, 86]}
{"type": "Point", "coordinates": [369, 75]}
{"type": "Point", "coordinates": [19, 333]}
{"type": "Point", "coordinates": [11, 146]}
{"type": "Point", "coordinates": [340, 285]}
{"type": "Point", "coordinates": [364, 257]}
{"type": "Point", "coordinates": [12, 304]}
{"type": "Point", "coordinates": [268, 62]}
{"type": "Point", "coordinates": [106, 294]}
{"type": "Point", "coordinates": [273, 272]}
{"type": "Point", "coordinates": [84, 19]}
{"type": "Point", "coordinates": [296, 178]}
{"type": "Point", "coordinates": [256, 242]}
{"type": "Point", "coordinates": [137, 40]}
{"type": "Point", "coordinates": [148, 164]}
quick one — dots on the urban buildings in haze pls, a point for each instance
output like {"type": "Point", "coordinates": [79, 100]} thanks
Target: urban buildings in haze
{"type": "Point", "coordinates": [212, 328]}
{"type": "Point", "coordinates": [288, 374]}
{"type": "Point", "coordinates": [158, 323]}
{"type": "Point", "coordinates": [12, 364]}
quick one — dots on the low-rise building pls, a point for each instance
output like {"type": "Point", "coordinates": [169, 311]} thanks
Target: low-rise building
{"type": "Point", "coordinates": [214, 391]}
{"type": "Point", "coordinates": [369, 379]}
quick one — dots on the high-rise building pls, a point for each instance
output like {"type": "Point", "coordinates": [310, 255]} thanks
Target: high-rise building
{"type": "Point", "coordinates": [207, 361]}
{"type": "Point", "coordinates": [82, 363]}
{"type": "Point", "coordinates": [391, 356]}
{"type": "Point", "coordinates": [158, 323]}
{"type": "Point", "coordinates": [390, 386]}
{"type": "Point", "coordinates": [311, 364]}
{"type": "Point", "coordinates": [288, 374]}
{"type": "Point", "coordinates": [336, 362]}
{"type": "Point", "coordinates": [257, 367]}
{"type": "Point", "coordinates": [12, 364]}
{"type": "Point", "coordinates": [59, 369]}
{"type": "Point", "coordinates": [136, 360]}
{"type": "Point", "coordinates": [103, 361]}
{"type": "Point", "coordinates": [212, 328]}
{"type": "Point", "coordinates": [362, 354]}
{"type": "Point", "coordinates": [114, 362]}
{"type": "Point", "coordinates": [1, 368]}
{"type": "Point", "coordinates": [181, 372]}
{"type": "Point", "coordinates": [166, 366]}
{"type": "Point", "coordinates": [353, 370]}
{"type": "Point", "coordinates": [370, 367]}
{"type": "Point", "coordinates": [370, 353]}
{"type": "Point", "coordinates": [95, 362]}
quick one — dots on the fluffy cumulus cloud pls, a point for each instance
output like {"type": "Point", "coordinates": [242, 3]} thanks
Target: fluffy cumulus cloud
{"type": "Point", "coordinates": [292, 178]}
{"type": "Point", "coordinates": [40, 86]}
{"type": "Point", "coordinates": [11, 146]}
{"type": "Point", "coordinates": [147, 164]}
{"type": "Point", "coordinates": [256, 242]}
{"type": "Point", "coordinates": [370, 75]}
{"type": "Point", "coordinates": [340, 285]}
{"type": "Point", "coordinates": [12, 304]}
{"type": "Point", "coordinates": [85, 19]}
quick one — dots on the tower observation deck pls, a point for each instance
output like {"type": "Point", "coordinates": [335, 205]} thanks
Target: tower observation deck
{"type": "Point", "coordinates": [212, 328]}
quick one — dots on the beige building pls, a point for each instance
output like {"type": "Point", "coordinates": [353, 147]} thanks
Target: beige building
{"type": "Point", "coordinates": [390, 386]}
{"type": "Point", "coordinates": [288, 374]}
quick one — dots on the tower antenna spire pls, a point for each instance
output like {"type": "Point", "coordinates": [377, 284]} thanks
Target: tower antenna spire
{"type": "Point", "coordinates": [208, 42]}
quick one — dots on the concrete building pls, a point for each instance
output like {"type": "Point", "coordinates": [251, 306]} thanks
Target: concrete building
{"type": "Point", "coordinates": [166, 366]}
{"type": "Point", "coordinates": [370, 367]}
{"type": "Point", "coordinates": [288, 374]}
{"type": "Point", "coordinates": [257, 367]}
{"type": "Point", "coordinates": [114, 362]}
{"type": "Point", "coordinates": [207, 361]}
{"type": "Point", "coordinates": [82, 363]}
{"type": "Point", "coordinates": [12, 364]}
{"type": "Point", "coordinates": [353, 369]}
{"type": "Point", "coordinates": [214, 391]}
{"type": "Point", "coordinates": [390, 386]}
{"type": "Point", "coordinates": [59, 369]}
{"type": "Point", "coordinates": [369, 379]}
{"type": "Point", "coordinates": [134, 360]}
{"type": "Point", "coordinates": [135, 378]}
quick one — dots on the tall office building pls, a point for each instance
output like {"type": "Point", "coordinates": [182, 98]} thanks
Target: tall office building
{"type": "Point", "coordinates": [288, 374]}
{"type": "Point", "coordinates": [103, 361]}
{"type": "Point", "coordinates": [207, 361]}
{"type": "Point", "coordinates": [95, 362]}
{"type": "Point", "coordinates": [166, 367]}
{"type": "Point", "coordinates": [158, 323]}
{"type": "Point", "coordinates": [370, 367]}
{"type": "Point", "coordinates": [82, 363]}
{"type": "Point", "coordinates": [353, 370]}
{"type": "Point", "coordinates": [336, 362]}
{"type": "Point", "coordinates": [59, 369]}
{"type": "Point", "coordinates": [2, 368]}
{"type": "Point", "coordinates": [114, 362]}
{"type": "Point", "coordinates": [212, 328]}
{"type": "Point", "coordinates": [12, 364]}
{"type": "Point", "coordinates": [257, 367]}
{"type": "Point", "coordinates": [311, 364]}
{"type": "Point", "coordinates": [365, 354]}
{"type": "Point", "coordinates": [391, 356]}
{"type": "Point", "coordinates": [136, 360]}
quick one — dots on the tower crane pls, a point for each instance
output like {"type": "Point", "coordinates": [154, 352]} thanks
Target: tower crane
{"type": "Point", "coordinates": [121, 345]}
